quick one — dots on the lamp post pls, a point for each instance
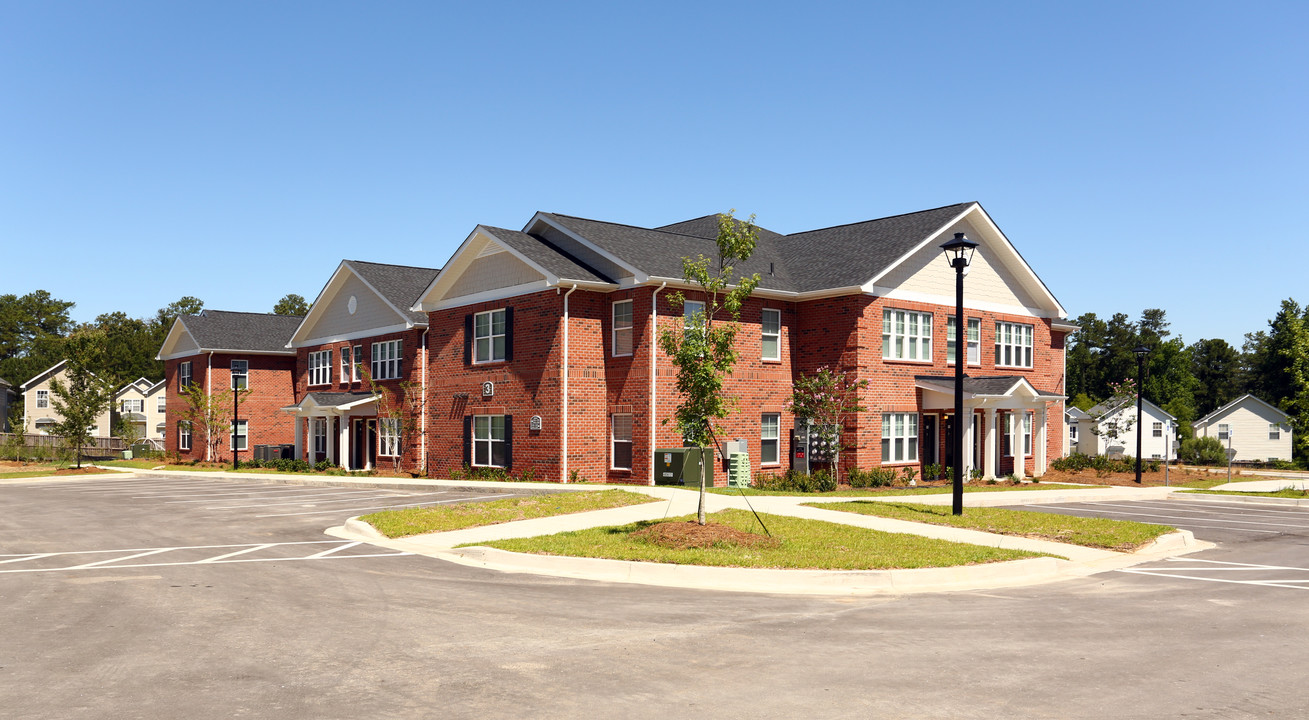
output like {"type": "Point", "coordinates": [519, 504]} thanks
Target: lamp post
{"type": "Point", "coordinates": [959, 253]}
{"type": "Point", "coordinates": [1141, 351]}
{"type": "Point", "coordinates": [236, 410]}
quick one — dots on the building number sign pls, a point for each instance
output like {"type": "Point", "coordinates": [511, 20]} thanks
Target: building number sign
{"type": "Point", "coordinates": [488, 389]}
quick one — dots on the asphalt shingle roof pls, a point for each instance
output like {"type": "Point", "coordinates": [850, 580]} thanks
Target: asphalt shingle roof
{"type": "Point", "coordinates": [334, 399]}
{"type": "Point", "coordinates": [254, 332]}
{"type": "Point", "coordinates": [550, 257]}
{"type": "Point", "coordinates": [401, 285]}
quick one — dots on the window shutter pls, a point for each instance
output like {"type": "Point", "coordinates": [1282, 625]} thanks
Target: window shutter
{"type": "Point", "coordinates": [468, 339]}
{"type": "Point", "coordinates": [468, 440]}
{"type": "Point", "coordinates": [509, 334]}
{"type": "Point", "coordinates": [509, 437]}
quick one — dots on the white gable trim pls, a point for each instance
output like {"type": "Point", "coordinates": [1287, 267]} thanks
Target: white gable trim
{"type": "Point", "coordinates": [489, 295]}
{"type": "Point", "coordinates": [433, 298]}
{"type": "Point", "coordinates": [52, 370]}
{"type": "Point", "coordinates": [636, 272]}
{"type": "Point", "coordinates": [166, 351]}
{"type": "Point", "coordinates": [356, 335]}
{"type": "Point", "coordinates": [969, 303]}
{"type": "Point", "coordinates": [329, 294]}
{"type": "Point", "coordinates": [1207, 419]}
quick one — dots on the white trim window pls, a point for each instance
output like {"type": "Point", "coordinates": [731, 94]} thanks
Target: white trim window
{"type": "Point", "coordinates": [621, 342]}
{"type": "Point", "coordinates": [240, 374]}
{"type": "Point", "coordinates": [1013, 345]}
{"type": "Point", "coordinates": [689, 310]}
{"type": "Point", "coordinates": [161, 404]}
{"type": "Point", "coordinates": [770, 430]}
{"type": "Point", "coordinates": [899, 437]}
{"type": "Point", "coordinates": [621, 435]}
{"type": "Point", "coordinates": [906, 335]}
{"type": "Point", "coordinates": [1027, 434]}
{"type": "Point", "coordinates": [240, 435]}
{"type": "Point", "coordinates": [489, 440]}
{"type": "Point", "coordinates": [320, 367]}
{"type": "Point", "coordinates": [1274, 431]}
{"type": "Point", "coordinates": [131, 406]}
{"type": "Point", "coordinates": [974, 347]}
{"type": "Point", "coordinates": [183, 435]}
{"type": "Point", "coordinates": [358, 363]}
{"type": "Point", "coordinates": [1224, 431]}
{"type": "Point", "coordinates": [1157, 430]}
{"type": "Point", "coordinates": [770, 332]}
{"type": "Point", "coordinates": [42, 399]}
{"type": "Point", "coordinates": [388, 436]}
{"type": "Point", "coordinates": [184, 375]}
{"type": "Point", "coordinates": [386, 359]}
{"type": "Point", "coordinates": [489, 337]}
{"type": "Point", "coordinates": [347, 364]}
{"type": "Point", "coordinates": [1007, 435]}
{"type": "Point", "coordinates": [320, 436]}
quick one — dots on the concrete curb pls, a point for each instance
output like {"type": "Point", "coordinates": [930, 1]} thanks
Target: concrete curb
{"type": "Point", "coordinates": [1237, 499]}
{"type": "Point", "coordinates": [59, 478]}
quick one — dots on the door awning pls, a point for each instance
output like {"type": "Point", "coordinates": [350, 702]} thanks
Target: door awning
{"type": "Point", "coordinates": [331, 402]}
{"type": "Point", "coordinates": [995, 391]}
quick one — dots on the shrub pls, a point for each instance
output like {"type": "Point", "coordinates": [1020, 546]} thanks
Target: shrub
{"type": "Point", "coordinates": [931, 471]}
{"type": "Point", "coordinates": [1102, 464]}
{"type": "Point", "coordinates": [909, 475]}
{"type": "Point", "coordinates": [795, 481]}
{"type": "Point", "coordinates": [877, 477]}
{"type": "Point", "coordinates": [1206, 450]}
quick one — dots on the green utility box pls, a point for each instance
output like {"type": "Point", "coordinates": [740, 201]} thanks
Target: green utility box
{"type": "Point", "coordinates": [738, 473]}
{"type": "Point", "coordinates": [681, 466]}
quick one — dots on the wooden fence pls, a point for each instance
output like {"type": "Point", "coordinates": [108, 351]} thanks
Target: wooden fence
{"type": "Point", "coordinates": [97, 447]}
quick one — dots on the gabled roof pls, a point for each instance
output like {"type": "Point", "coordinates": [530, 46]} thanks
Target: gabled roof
{"type": "Point", "coordinates": [225, 331]}
{"type": "Point", "coordinates": [988, 386]}
{"type": "Point", "coordinates": [398, 287]}
{"type": "Point", "coordinates": [333, 400]}
{"type": "Point", "coordinates": [1104, 409]}
{"type": "Point", "coordinates": [1076, 413]}
{"type": "Point", "coordinates": [43, 375]}
{"type": "Point", "coordinates": [547, 256]}
{"type": "Point", "coordinates": [5, 383]}
{"type": "Point", "coordinates": [1220, 411]}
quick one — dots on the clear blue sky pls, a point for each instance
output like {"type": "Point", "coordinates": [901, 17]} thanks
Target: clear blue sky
{"type": "Point", "coordinates": [1138, 154]}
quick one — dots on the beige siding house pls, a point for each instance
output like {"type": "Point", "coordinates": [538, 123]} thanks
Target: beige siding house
{"type": "Point", "coordinates": [38, 409]}
{"type": "Point", "coordinates": [143, 403]}
{"type": "Point", "coordinates": [1257, 431]}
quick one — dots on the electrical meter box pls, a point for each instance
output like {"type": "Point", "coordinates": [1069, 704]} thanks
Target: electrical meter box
{"type": "Point", "coordinates": [681, 466]}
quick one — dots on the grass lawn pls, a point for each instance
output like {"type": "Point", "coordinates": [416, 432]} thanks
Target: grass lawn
{"type": "Point", "coordinates": [415, 521]}
{"type": "Point", "coordinates": [892, 491]}
{"type": "Point", "coordinates": [1283, 493]}
{"type": "Point", "coordinates": [1119, 535]}
{"type": "Point", "coordinates": [1202, 483]}
{"type": "Point", "coordinates": [31, 471]}
{"type": "Point", "coordinates": [801, 544]}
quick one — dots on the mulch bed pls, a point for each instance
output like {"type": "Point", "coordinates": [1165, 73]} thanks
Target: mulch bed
{"type": "Point", "coordinates": [690, 534]}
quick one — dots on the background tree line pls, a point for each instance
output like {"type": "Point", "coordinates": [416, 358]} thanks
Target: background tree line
{"type": "Point", "coordinates": [1190, 381]}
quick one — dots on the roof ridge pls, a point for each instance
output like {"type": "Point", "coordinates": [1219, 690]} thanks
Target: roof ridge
{"type": "Point", "coordinates": [241, 312]}
{"type": "Point", "coordinates": [681, 222]}
{"type": "Point", "coordinates": [888, 217]}
{"type": "Point", "coordinates": [394, 265]}
{"type": "Point", "coordinates": [634, 227]}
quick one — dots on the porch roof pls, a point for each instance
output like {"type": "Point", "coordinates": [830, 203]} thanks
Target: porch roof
{"type": "Point", "coordinates": [988, 391]}
{"type": "Point", "coordinates": [332, 401]}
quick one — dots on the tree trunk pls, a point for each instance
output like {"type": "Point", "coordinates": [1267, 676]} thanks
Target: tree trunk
{"type": "Point", "coordinates": [700, 513]}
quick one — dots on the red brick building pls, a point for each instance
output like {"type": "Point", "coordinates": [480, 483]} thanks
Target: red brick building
{"type": "Point", "coordinates": [222, 350]}
{"type": "Point", "coordinates": [543, 357]}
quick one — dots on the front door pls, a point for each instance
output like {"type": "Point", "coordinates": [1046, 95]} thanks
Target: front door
{"type": "Point", "coordinates": [947, 423]}
{"type": "Point", "coordinates": [928, 432]}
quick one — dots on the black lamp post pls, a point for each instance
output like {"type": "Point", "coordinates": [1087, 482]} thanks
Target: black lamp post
{"type": "Point", "coordinates": [959, 253]}
{"type": "Point", "coordinates": [236, 410]}
{"type": "Point", "coordinates": [1141, 351]}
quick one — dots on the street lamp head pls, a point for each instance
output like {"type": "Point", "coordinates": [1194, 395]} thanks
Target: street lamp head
{"type": "Point", "coordinates": [959, 251]}
{"type": "Point", "coordinates": [1141, 351]}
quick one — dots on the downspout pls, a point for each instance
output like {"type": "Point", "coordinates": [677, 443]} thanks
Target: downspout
{"type": "Point", "coordinates": [422, 410]}
{"type": "Point", "coordinates": [209, 390]}
{"type": "Point", "coordinates": [654, 341]}
{"type": "Point", "coordinates": [563, 422]}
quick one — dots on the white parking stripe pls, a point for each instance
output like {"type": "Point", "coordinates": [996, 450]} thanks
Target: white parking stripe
{"type": "Point", "coordinates": [179, 547]}
{"type": "Point", "coordinates": [219, 562]}
{"type": "Point", "coordinates": [224, 556]}
{"type": "Point", "coordinates": [1171, 517]}
{"type": "Point", "coordinates": [114, 560]}
{"type": "Point", "coordinates": [1221, 511]}
{"type": "Point", "coordinates": [390, 507]}
{"type": "Point", "coordinates": [317, 502]}
{"type": "Point", "coordinates": [1266, 583]}
{"type": "Point", "coordinates": [233, 499]}
{"type": "Point", "coordinates": [26, 557]}
{"type": "Point", "coordinates": [329, 551]}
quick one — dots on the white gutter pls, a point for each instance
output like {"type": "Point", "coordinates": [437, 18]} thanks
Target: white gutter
{"type": "Point", "coordinates": [654, 341]}
{"type": "Point", "coordinates": [209, 390]}
{"type": "Point", "coordinates": [563, 422]}
{"type": "Point", "coordinates": [422, 422]}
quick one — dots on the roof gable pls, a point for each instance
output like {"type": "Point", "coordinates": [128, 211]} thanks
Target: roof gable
{"type": "Point", "coordinates": [41, 376]}
{"type": "Point", "coordinates": [1245, 399]}
{"type": "Point", "coordinates": [363, 298]}
{"type": "Point", "coordinates": [226, 331]}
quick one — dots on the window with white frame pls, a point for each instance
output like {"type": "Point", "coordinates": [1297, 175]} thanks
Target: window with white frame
{"type": "Point", "coordinates": [320, 367]}
{"type": "Point", "coordinates": [386, 359]}
{"type": "Point", "coordinates": [320, 436]}
{"type": "Point", "coordinates": [161, 404]}
{"type": "Point", "coordinates": [347, 363]}
{"type": "Point", "coordinates": [388, 436]}
{"type": "Point", "coordinates": [1274, 431]}
{"type": "Point", "coordinates": [358, 363]}
{"type": "Point", "coordinates": [899, 437]}
{"type": "Point", "coordinates": [770, 330]}
{"type": "Point", "coordinates": [621, 434]}
{"type": "Point", "coordinates": [184, 375]}
{"type": "Point", "coordinates": [1224, 430]}
{"type": "Point", "coordinates": [161, 430]}
{"type": "Point", "coordinates": [489, 336]}
{"type": "Point", "coordinates": [183, 435]}
{"type": "Point", "coordinates": [1013, 345]}
{"type": "Point", "coordinates": [1072, 431]}
{"type": "Point", "coordinates": [131, 406]}
{"type": "Point", "coordinates": [1027, 434]}
{"type": "Point", "coordinates": [974, 346]}
{"type": "Point", "coordinates": [240, 374]}
{"type": "Point", "coordinates": [906, 335]}
{"type": "Point", "coordinates": [1007, 435]}
{"type": "Point", "coordinates": [621, 341]}
{"type": "Point", "coordinates": [1157, 430]}
{"type": "Point", "coordinates": [489, 440]}
{"type": "Point", "coordinates": [240, 434]}
{"type": "Point", "coordinates": [42, 399]}
{"type": "Point", "coordinates": [690, 309]}
{"type": "Point", "coordinates": [770, 429]}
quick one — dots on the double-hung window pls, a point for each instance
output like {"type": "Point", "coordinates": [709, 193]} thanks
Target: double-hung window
{"type": "Point", "coordinates": [240, 374]}
{"type": "Point", "coordinates": [1013, 345]}
{"type": "Point", "coordinates": [621, 343]}
{"type": "Point", "coordinates": [161, 405]}
{"type": "Point", "coordinates": [42, 399]}
{"type": "Point", "coordinates": [1007, 431]}
{"type": "Point", "coordinates": [386, 360]}
{"type": "Point", "coordinates": [489, 336]}
{"type": "Point", "coordinates": [1157, 430]}
{"type": "Point", "coordinates": [621, 433]}
{"type": "Point", "coordinates": [1224, 431]}
{"type": "Point", "coordinates": [906, 335]}
{"type": "Point", "coordinates": [899, 437]}
{"type": "Point", "coordinates": [347, 365]}
{"type": "Point", "coordinates": [320, 367]}
{"type": "Point", "coordinates": [388, 436]}
{"type": "Point", "coordinates": [183, 435]}
{"type": "Point", "coordinates": [769, 438]}
{"type": "Point", "coordinates": [690, 309]}
{"type": "Point", "coordinates": [489, 440]}
{"type": "Point", "coordinates": [1027, 434]}
{"type": "Point", "coordinates": [770, 329]}
{"type": "Point", "coordinates": [131, 406]}
{"type": "Point", "coordinates": [1274, 431]}
{"type": "Point", "coordinates": [240, 434]}
{"type": "Point", "coordinates": [184, 375]}
{"type": "Point", "coordinates": [320, 436]}
{"type": "Point", "coordinates": [974, 346]}
{"type": "Point", "coordinates": [358, 363]}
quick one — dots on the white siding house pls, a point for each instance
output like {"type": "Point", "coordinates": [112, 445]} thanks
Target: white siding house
{"type": "Point", "coordinates": [1258, 431]}
{"type": "Point", "coordinates": [1157, 431]}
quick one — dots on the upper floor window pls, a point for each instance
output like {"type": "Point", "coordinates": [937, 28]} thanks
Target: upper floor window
{"type": "Point", "coordinates": [184, 375]}
{"type": "Point", "coordinates": [974, 347]}
{"type": "Point", "coordinates": [906, 335]}
{"type": "Point", "coordinates": [386, 359]}
{"type": "Point", "coordinates": [43, 398]}
{"type": "Point", "coordinates": [489, 336]}
{"type": "Point", "coordinates": [1013, 345]}
{"type": "Point", "coordinates": [240, 374]}
{"type": "Point", "coordinates": [320, 367]}
{"type": "Point", "coordinates": [347, 364]}
{"type": "Point", "coordinates": [131, 406]}
{"type": "Point", "coordinates": [161, 405]}
{"type": "Point", "coordinates": [357, 364]}
{"type": "Point", "coordinates": [622, 340]}
{"type": "Point", "coordinates": [770, 328]}
{"type": "Point", "coordinates": [690, 309]}
{"type": "Point", "coordinates": [1274, 431]}
{"type": "Point", "coordinates": [1157, 430]}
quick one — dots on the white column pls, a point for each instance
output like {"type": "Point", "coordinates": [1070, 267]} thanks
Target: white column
{"type": "Point", "coordinates": [345, 442]}
{"type": "Point", "coordinates": [992, 447]}
{"type": "Point", "coordinates": [299, 439]}
{"type": "Point", "coordinates": [327, 430]}
{"type": "Point", "coordinates": [1016, 436]}
{"type": "Point", "coordinates": [967, 428]}
{"type": "Point", "coordinates": [1041, 435]}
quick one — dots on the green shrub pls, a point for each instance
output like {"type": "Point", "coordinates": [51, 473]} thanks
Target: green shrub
{"type": "Point", "coordinates": [1206, 450]}
{"type": "Point", "coordinates": [795, 481]}
{"type": "Point", "coordinates": [877, 477]}
{"type": "Point", "coordinates": [1102, 464]}
{"type": "Point", "coordinates": [909, 474]}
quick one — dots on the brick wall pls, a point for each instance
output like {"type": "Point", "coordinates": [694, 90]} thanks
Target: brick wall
{"type": "Point", "coordinates": [271, 387]}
